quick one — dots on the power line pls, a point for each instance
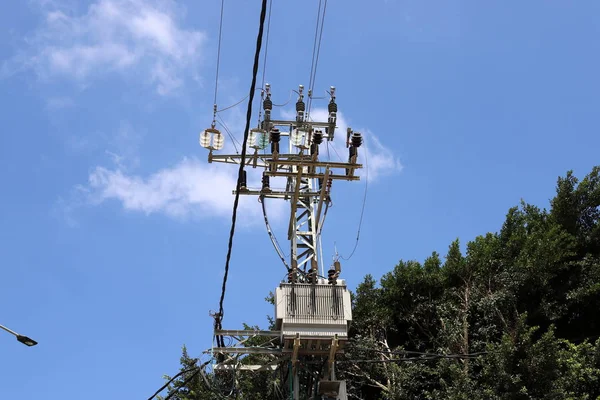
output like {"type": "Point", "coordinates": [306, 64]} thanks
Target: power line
{"type": "Point", "coordinates": [312, 62]}
{"type": "Point", "coordinates": [362, 211]}
{"type": "Point", "coordinates": [233, 139]}
{"type": "Point", "coordinates": [233, 105]}
{"type": "Point", "coordinates": [197, 370]}
{"type": "Point", "coordinates": [218, 54]}
{"type": "Point", "coordinates": [314, 77]}
{"type": "Point", "coordinates": [219, 316]}
{"type": "Point", "coordinates": [317, 47]}
{"type": "Point", "coordinates": [264, 69]}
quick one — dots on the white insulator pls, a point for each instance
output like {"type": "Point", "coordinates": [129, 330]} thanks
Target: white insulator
{"type": "Point", "coordinates": [252, 136]}
{"type": "Point", "coordinates": [332, 117]}
{"type": "Point", "coordinates": [218, 141]}
{"type": "Point", "coordinates": [263, 140]}
{"type": "Point", "coordinates": [205, 139]}
{"type": "Point", "coordinates": [297, 137]}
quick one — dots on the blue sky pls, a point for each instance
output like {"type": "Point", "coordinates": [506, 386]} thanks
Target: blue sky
{"type": "Point", "coordinates": [114, 228]}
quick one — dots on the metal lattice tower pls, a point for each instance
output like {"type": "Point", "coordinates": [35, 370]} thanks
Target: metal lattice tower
{"type": "Point", "coordinates": [311, 312]}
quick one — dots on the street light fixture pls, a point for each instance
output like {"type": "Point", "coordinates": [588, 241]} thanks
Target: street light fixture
{"type": "Point", "coordinates": [23, 339]}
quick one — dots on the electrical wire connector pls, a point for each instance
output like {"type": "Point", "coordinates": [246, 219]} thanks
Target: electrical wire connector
{"type": "Point", "coordinates": [333, 109]}
{"type": "Point", "coordinates": [353, 141]}
{"type": "Point", "coordinates": [275, 137]}
{"type": "Point", "coordinates": [300, 106]}
{"type": "Point", "coordinates": [266, 187]}
{"type": "Point", "coordinates": [243, 184]}
{"type": "Point", "coordinates": [267, 103]}
{"type": "Point", "coordinates": [334, 273]}
{"type": "Point", "coordinates": [214, 121]}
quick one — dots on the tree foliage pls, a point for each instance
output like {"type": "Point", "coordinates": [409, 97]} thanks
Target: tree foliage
{"type": "Point", "coordinates": [527, 297]}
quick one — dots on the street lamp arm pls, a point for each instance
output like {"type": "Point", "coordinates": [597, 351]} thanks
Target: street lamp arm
{"type": "Point", "coordinates": [23, 339]}
{"type": "Point", "coordinates": [9, 331]}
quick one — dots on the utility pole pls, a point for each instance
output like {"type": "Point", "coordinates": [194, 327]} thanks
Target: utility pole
{"type": "Point", "coordinates": [312, 311]}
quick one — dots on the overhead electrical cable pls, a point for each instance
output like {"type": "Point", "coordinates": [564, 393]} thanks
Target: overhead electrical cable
{"type": "Point", "coordinates": [272, 235]}
{"type": "Point", "coordinates": [197, 370]}
{"type": "Point", "coordinates": [264, 69]}
{"type": "Point", "coordinates": [316, 51]}
{"type": "Point", "coordinates": [312, 62]}
{"type": "Point", "coordinates": [362, 211]}
{"type": "Point", "coordinates": [287, 102]}
{"type": "Point", "coordinates": [314, 76]}
{"type": "Point", "coordinates": [233, 139]}
{"type": "Point", "coordinates": [218, 58]}
{"type": "Point", "coordinates": [233, 105]}
{"type": "Point", "coordinates": [242, 163]}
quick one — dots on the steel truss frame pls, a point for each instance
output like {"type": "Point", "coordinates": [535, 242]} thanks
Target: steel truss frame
{"type": "Point", "coordinates": [308, 185]}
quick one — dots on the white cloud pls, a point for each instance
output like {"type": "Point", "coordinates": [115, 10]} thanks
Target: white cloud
{"type": "Point", "coordinates": [113, 36]}
{"type": "Point", "coordinates": [188, 189]}
{"type": "Point", "coordinates": [195, 189]}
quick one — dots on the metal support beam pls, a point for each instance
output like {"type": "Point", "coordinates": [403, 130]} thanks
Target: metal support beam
{"type": "Point", "coordinates": [243, 332]}
{"type": "Point", "coordinates": [295, 203]}
{"type": "Point", "coordinates": [295, 351]}
{"type": "Point", "coordinates": [321, 198]}
{"type": "Point", "coordinates": [314, 176]}
{"type": "Point", "coordinates": [333, 349]}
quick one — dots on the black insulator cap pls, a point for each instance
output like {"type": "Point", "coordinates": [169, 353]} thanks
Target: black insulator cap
{"type": "Point", "coordinates": [291, 276]}
{"type": "Point", "coordinates": [267, 104]}
{"type": "Point", "coordinates": [300, 106]}
{"type": "Point", "coordinates": [318, 137]}
{"type": "Point", "coordinates": [314, 148]}
{"type": "Point", "coordinates": [332, 106]}
{"type": "Point", "coordinates": [265, 180]}
{"type": "Point", "coordinates": [243, 181]}
{"type": "Point", "coordinates": [331, 277]}
{"type": "Point", "coordinates": [275, 135]}
{"type": "Point", "coordinates": [320, 183]}
{"type": "Point", "coordinates": [356, 139]}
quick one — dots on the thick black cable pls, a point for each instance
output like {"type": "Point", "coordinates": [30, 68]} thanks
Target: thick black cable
{"type": "Point", "coordinates": [242, 161]}
{"type": "Point", "coordinates": [163, 387]}
{"type": "Point", "coordinates": [188, 380]}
